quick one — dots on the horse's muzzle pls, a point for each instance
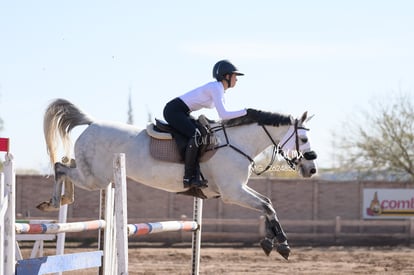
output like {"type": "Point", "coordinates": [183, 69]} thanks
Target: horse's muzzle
{"type": "Point", "coordinates": [308, 169]}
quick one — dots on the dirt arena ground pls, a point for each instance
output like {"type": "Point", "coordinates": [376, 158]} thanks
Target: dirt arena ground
{"type": "Point", "coordinates": [251, 260]}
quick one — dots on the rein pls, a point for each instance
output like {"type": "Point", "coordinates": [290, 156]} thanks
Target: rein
{"type": "Point", "coordinates": [277, 149]}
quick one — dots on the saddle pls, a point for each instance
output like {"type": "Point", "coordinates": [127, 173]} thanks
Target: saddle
{"type": "Point", "coordinates": [167, 144]}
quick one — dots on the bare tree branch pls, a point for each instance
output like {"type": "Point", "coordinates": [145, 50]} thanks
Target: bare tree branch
{"type": "Point", "coordinates": [382, 140]}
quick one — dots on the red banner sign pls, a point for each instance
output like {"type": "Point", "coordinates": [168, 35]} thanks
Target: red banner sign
{"type": "Point", "coordinates": [4, 145]}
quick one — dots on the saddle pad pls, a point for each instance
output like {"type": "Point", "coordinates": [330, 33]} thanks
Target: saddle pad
{"type": "Point", "coordinates": [165, 150]}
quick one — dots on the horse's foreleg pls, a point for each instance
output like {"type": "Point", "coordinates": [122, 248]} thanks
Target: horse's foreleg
{"type": "Point", "coordinates": [274, 230]}
{"type": "Point", "coordinates": [250, 198]}
{"type": "Point", "coordinates": [275, 233]}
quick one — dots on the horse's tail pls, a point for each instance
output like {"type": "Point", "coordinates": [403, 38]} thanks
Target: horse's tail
{"type": "Point", "coordinates": [60, 118]}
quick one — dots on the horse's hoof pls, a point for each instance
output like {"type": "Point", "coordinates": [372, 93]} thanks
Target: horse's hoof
{"type": "Point", "coordinates": [283, 250]}
{"type": "Point", "coordinates": [64, 200]}
{"type": "Point", "coordinates": [267, 246]}
{"type": "Point", "coordinates": [46, 207]}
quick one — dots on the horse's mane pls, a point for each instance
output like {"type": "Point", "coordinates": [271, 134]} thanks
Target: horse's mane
{"type": "Point", "coordinates": [260, 117]}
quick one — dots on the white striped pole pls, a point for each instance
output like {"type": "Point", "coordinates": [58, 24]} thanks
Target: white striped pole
{"type": "Point", "coordinates": [140, 229]}
{"type": "Point", "coordinates": [196, 243]}
{"type": "Point", "coordinates": [55, 228]}
{"type": "Point", "coordinates": [109, 249]}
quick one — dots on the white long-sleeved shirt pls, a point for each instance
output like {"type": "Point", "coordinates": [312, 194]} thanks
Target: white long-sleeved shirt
{"type": "Point", "coordinates": [209, 96]}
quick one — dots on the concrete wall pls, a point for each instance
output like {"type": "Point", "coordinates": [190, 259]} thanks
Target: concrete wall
{"type": "Point", "coordinates": [306, 208]}
{"type": "Point", "coordinates": [293, 200]}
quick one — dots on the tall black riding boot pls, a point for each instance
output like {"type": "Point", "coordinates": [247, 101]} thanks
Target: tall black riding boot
{"type": "Point", "coordinates": [191, 175]}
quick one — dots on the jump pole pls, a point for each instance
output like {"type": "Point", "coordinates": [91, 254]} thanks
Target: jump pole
{"type": "Point", "coordinates": [109, 259]}
{"type": "Point", "coordinates": [3, 209]}
{"type": "Point", "coordinates": [196, 240]}
{"type": "Point", "coordinates": [121, 218]}
{"type": "Point", "coordinates": [9, 217]}
{"type": "Point", "coordinates": [138, 229]}
{"type": "Point", "coordinates": [61, 237]}
{"type": "Point", "coordinates": [57, 228]}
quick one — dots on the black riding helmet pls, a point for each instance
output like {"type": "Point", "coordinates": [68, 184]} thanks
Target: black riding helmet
{"type": "Point", "coordinates": [224, 67]}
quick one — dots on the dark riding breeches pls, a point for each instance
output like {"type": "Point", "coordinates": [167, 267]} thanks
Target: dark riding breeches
{"type": "Point", "coordinates": [177, 114]}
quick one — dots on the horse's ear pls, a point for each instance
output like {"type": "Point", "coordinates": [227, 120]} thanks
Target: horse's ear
{"type": "Point", "coordinates": [304, 116]}
{"type": "Point", "coordinates": [309, 117]}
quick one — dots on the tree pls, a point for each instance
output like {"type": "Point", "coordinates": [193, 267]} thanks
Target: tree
{"type": "Point", "coordinates": [381, 140]}
{"type": "Point", "coordinates": [130, 112]}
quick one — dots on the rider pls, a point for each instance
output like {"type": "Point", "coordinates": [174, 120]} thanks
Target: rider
{"type": "Point", "coordinates": [211, 95]}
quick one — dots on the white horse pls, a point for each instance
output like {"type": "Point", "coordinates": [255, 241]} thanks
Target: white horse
{"type": "Point", "coordinates": [227, 171]}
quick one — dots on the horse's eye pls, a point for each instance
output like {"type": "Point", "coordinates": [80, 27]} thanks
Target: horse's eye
{"type": "Point", "coordinates": [304, 139]}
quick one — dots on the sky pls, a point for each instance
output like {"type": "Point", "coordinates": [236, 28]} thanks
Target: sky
{"type": "Point", "coordinates": [330, 58]}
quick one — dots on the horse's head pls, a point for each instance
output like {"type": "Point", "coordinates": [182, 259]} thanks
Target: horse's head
{"type": "Point", "coordinates": [293, 145]}
{"type": "Point", "coordinates": [296, 149]}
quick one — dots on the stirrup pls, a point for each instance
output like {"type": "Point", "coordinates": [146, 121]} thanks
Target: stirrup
{"type": "Point", "coordinates": [195, 183]}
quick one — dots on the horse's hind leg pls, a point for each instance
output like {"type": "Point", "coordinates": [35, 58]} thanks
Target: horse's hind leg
{"type": "Point", "coordinates": [69, 195]}
{"type": "Point", "coordinates": [54, 203]}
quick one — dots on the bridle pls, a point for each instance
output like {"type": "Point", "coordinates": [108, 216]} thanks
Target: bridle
{"type": "Point", "coordinates": [293, 162]}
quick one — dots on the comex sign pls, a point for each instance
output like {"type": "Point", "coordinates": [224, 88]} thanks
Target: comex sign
{"type": "Point", "coordinates": [388, 203]}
